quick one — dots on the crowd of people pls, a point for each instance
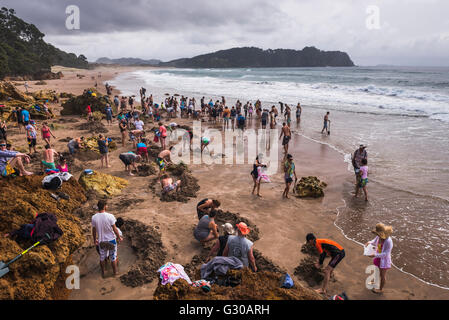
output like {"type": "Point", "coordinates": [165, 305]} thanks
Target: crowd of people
{"type": "Point", "coordinates": [233, 241]}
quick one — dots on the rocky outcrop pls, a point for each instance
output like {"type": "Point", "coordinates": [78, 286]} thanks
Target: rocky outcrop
{"type": "Point", "coordinates": [310, 187]}
{"type": "Point", "coordinates": [77, 105]}
{"type": "Point", "coordinates": [35, 274]}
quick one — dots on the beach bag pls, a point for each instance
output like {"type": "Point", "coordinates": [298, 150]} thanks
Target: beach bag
{"type": "Point", "coordinates": [369, 250]}
{"type": "Point", "coordinates": [286, 281]}
{"type": "Point", "coordinates": [52, 182]}
{"type": "Point", "coordinates": [46, 223]}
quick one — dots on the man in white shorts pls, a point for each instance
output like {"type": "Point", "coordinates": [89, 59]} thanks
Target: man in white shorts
{"type": "Point", "coordinates": [103, 224]}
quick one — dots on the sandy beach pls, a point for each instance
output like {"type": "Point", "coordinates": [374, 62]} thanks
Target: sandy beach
{"type": "Point", "coordinates": [283, 223]}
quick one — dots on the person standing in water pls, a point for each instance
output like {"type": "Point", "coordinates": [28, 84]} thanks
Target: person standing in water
{"type": "Point", "coordinates": [382, 257]}
{"type": "Point", "coordinates": [357, 158]}
{"type": "Point", "coordinates": [287, 136]}
{"type": "Point", "coordinates": [298, 113]}
{"type": "Point", "coordinates": [363, 179]}
{"type": "Point", "coordinates": [325, 124]}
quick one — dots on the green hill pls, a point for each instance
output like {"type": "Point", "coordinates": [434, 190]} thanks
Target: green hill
{"type": "Point", "coordinates": [23, 52]}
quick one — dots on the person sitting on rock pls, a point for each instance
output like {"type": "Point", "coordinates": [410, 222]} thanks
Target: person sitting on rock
{"type": "Point", "coordinates": [11, 161]}
{"type": "Point", "coordinates": [49, 157]}
{"type": "Point", "coordinates": [168, 185]}
{"type": "Point", "coordinates": [240, 247]}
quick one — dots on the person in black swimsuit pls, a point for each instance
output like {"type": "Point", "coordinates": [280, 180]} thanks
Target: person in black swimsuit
{"type": "Point", "coordinates": [255, 175]}
{"type": "Point", "coordinates": [220, 244]}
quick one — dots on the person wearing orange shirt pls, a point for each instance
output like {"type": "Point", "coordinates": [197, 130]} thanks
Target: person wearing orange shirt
{"type": "Point", "coordinates": [326, 247]}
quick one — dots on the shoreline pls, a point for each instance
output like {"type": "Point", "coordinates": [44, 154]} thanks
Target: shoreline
{"type": "Point", "coordinates": [347, 279]}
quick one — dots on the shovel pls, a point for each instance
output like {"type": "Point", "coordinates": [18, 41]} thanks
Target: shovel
{"type": "Point", "coordinates": [4, 266]}
{"type": "Point", "coordinates": [329, 130]}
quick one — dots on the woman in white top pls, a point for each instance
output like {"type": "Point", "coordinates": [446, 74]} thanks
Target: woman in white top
{"type": "Point", "coordinates": [382, 257]}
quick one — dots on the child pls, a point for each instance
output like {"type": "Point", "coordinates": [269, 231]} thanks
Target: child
{"type": "Point", "coordinates": [363, 179]}
{"type": "Point", "coordinates": [62, 166]}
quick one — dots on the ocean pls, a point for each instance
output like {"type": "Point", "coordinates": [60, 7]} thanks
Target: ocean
{"type": "Point", "coordinates": [401, 113]}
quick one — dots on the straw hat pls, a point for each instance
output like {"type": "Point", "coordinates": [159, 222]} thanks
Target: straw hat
{"type": "Point", "coordinates": [228, 228]}
{"type": "Point", "coordinates": [383, 231]}
{"type": "Point", "coordinates": [243, 228]}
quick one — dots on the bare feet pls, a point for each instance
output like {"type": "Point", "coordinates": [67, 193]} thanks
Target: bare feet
{"type": "Point", "coordinates": [27, 173]}
{"type": "Point", "coordinates": [131, 174]}
{"type": "Point", "coordinates": [259, 195]}
{"type": "Point", "coordinates": [377, 291]}
{"type": "Point", "coordinates": [320, 291]}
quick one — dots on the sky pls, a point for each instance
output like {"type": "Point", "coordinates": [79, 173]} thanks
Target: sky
{"type": "Point", "coordinates": [372, 32]}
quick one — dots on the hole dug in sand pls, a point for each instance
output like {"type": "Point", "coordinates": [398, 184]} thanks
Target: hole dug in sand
{"type": "Point", "coordinates": [147, 245]}
{"type": "Point", "coordinates": [307, 271]}
{"type": "Point", "coordinates": [189, 184]}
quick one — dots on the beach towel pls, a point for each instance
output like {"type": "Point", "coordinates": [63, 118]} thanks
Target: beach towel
{"type": "Point", "coordinates": [170, 272]}
{"type": "Point", "coordinates": [261, 175]}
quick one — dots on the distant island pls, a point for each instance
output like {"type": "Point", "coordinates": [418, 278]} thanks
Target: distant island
{"type": "Point", "coordinates": [251, 57]}
{"type": "Point", "coordinates": [248, 57]}
{"type": "Point", "coordinates": [129, 61]}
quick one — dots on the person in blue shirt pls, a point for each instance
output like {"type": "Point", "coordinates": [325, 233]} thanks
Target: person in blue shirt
{"type": "Point", "coordinates": [241, 121]}
{"type": "Point", "coordinates": [25, 117]}
{"type": "Point", "coordinates": [142, 149]}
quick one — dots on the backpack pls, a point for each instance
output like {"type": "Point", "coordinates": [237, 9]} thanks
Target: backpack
{"type": "Point", "coordinates": [45, 223]}
{"type": "Point", "coordinates": [52, 183]}
{"type": "Point", "coordinates": [286, 281]}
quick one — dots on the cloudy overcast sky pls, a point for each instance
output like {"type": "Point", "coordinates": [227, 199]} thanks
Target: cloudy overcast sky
{"type": "Point", "coordinates": [412, 32]}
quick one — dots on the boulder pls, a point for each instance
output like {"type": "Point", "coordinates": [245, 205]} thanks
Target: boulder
{"type": "Point", "coordinates": [77, 105]}
{"type": "Point", "coordinates": [310, 187]}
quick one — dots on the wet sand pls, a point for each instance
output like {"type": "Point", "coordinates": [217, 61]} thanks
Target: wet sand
{"type": "Point", "coordinates": [282, 223]}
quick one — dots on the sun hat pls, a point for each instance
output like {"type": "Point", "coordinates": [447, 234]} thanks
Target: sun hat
{"type": "Point", "coordinates": [243, 228]}
{"type": "Point", "coordinates": [383, 231]}
{"type": "Point", "coordinates": [228, 228]}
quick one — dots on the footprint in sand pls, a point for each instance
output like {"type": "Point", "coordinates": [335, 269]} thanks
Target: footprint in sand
{"type": "Point", "coordinates": [105, 291]}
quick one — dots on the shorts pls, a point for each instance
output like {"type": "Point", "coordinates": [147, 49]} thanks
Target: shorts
{"type": "Point", "coordinates": [336, 259]}
{"type": "Point", "coordinates": [109, 117]}
{"type": "Point", "coordinates": [108, 249]}
{"type": "Point", "coordinates": [288, 179]}
{"type": "Point", "coordinates": [264, 122]}
{"type": "Point", "coordinates": [160, 162]}
{"type": "Point", "coordinates": [50, 165]}
{"type": "Point", "coordinates": [170, 187]}
{"type": "Point", "coordinates": [124, 160]}
{"type": "Point", "coordinates": [7, 171]}
{"type": "Point", "coordinates": [31, 142]}
{"type": "Point", "coordinates": [25, 123]}
{"type": "Point", "coordinates": [363, 182]}
{"type": "Point", "coordinates": [286, 140]}
{"type": "Point", "coordinates": [142, 151]}
{"type": "Point", "coordinates": [325, 125]}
